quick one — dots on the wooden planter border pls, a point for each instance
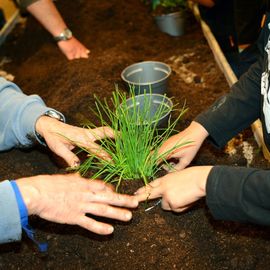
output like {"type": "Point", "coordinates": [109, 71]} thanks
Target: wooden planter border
{"type": "Point", "coordinates": [9, 25]}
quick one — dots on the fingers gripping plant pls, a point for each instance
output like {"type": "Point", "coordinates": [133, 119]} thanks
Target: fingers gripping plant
{"type": "Point", "coordinates": [134, 150]}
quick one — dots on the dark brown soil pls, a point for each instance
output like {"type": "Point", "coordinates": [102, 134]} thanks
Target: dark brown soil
{"type": "Point", "coordinates": [120, 33]}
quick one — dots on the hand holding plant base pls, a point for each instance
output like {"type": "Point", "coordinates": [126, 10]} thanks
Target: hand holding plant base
{"type": "Point", "coordinates": [61, 138]}
{"type": "Point", "coordinates": [195, 134]}
{"type": "Point", "coordinates": [178, 190]}
{"type": "Point", "coordinates": [134, 150]}
{"type": "Point", "coordinates": [68, 198]}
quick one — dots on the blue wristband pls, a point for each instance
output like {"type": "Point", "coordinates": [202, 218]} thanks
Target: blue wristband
{"type": "Point", "coordinates": [43, 247]}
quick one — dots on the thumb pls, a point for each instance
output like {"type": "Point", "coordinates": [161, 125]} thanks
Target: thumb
{"type": "Point", "coordinates": [182, 164]}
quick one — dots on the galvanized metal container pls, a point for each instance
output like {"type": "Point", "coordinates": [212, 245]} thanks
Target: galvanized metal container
{"type": "Point", "coordinates": [147, 77]}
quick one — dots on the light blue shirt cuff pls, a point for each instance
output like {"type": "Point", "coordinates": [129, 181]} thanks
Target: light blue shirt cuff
{"type": "Point", "coordinates": [10, 222]}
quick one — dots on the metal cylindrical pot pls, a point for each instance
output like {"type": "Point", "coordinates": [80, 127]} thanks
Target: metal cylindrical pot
{"type": "Point", "coordinates": [148, 106]}
{"type": "Point", "coordinates": [147, 77]}
{"type": "Point", "coordinates": [172, 23]}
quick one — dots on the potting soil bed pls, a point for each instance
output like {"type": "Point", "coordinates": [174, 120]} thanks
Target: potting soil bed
{"type": "Point", "coordinates": [120, 33]}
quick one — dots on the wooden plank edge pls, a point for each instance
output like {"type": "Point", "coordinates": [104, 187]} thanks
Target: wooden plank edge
{"type": "Point", "coordinates": [9, 25]}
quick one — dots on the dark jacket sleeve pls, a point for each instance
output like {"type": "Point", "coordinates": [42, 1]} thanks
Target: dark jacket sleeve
{"type": "Point", "coordinates": [247, 17]}
{"type": "Point", "coordinates": [241, 106]}
{"type": "Point", "coordinates": [239, 194]}
{"type": "Point", "coordinates": [235, 111]}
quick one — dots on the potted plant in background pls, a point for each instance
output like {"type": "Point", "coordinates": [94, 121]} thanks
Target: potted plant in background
{"type": "Point", "coordinates": [170, 15]}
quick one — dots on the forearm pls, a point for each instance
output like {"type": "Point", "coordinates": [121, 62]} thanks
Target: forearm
{"type": "Point", "coordinates": [236, 111]}
{"type": "Point", "coordinates": [239, 194]}
{"type": "Point", "coordinates": [47, 14]}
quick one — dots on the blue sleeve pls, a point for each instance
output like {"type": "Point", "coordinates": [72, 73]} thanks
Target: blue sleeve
{"type": "Point", "coordinates": [43, 247]}
{"type": "Point", "coordinates": [14, 216]}
{"type": "Point", "coordinates": [10, 222]}
{"type": "Point", "coordinates": [18, 116]}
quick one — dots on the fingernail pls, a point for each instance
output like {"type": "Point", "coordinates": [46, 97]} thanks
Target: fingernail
{"type": "Point", "coordinates": [135, 203]}
{"type": "Point", "coordinates": [110, 229]}
{"type": "Point", "coordinates": [128, 216]}
{"type": "Point", "coordinates": [76, 164]}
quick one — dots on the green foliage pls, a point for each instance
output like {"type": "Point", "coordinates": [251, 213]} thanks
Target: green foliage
{"type": "Point", "coordinates": [168, 3]}
{"type": "Point", "coordinates": [134, 150]}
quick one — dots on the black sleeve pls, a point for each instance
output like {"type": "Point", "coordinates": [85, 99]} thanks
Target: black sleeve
{"type": "Point", "coordinates": [239, 194]}
{"type": "Point", "coordinates": [235, 111]}
{"type": "Point", "coordinates": [248, 16]}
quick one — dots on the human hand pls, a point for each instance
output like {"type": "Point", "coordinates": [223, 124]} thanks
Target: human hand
{"type": "Point", "coordinates": [68, 198]}
{"type": "Point", "coordinates": [179, 190]}
{"type": "Point", "coordinates": [73, 49]}
{"type": "Point", "coordinates": [195, 134]}
{"type": "Point", "coordinates": [61, 138]}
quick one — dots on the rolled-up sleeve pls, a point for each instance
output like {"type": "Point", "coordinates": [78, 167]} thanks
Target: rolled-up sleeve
{"type": "Point", "coordinates": [18, 116]}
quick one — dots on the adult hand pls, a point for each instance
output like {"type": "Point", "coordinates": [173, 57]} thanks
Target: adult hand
{"type": "Point", "coordinates": [47, 14]}
{"type": "Point", "coordinates": [179, 190]}
{"type": "Point", "coordinates": [73, 49]}
{"type": "Point", "coordinates": [195, 134]}
{"type": "Point", "coordinates": [68, 198]}
{"type": "Point", "coordinates": [61, 138]}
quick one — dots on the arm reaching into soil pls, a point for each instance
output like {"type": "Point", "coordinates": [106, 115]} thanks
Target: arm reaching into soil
{"type": "Point", "coordinates": [232, 193]}
{"type": "Point", "coordinates": [63, 199]}
{"type": "Point", "coordinates": [68, 198]}
{"type": "Point", "coordinates": [21, 116]}
{"type": "Point", "coordinates": [179, 190]}
{"type": "Point", "coordinates": [20, 124]}
{"type": "Point", "coordinates": [224, 119]}
{"type": "Point", "coordinates": [47, 14]}
{"type": "Point", "coordinates": [61, 137]}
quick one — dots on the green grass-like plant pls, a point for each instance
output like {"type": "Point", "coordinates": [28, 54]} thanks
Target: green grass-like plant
{"type": "Point", "coordinates": [134, 150]}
